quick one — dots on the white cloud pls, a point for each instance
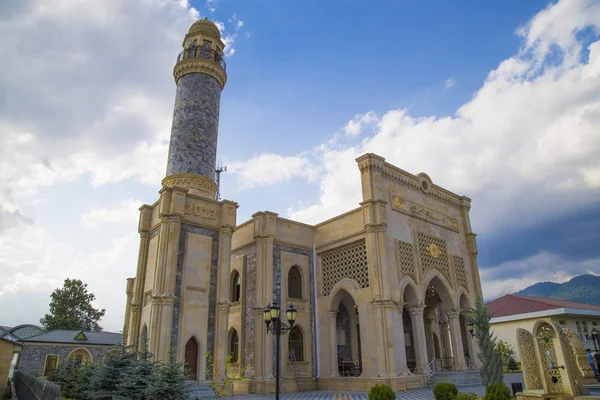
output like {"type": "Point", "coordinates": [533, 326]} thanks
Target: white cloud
{"type": "Point", "coordinates": [124, 212]}
{"type": "Point", "coordinates": [512, 276]}
{"type": "Point", "coordinates": [449, 83]}
{"type": "Point", "coordinates": [268, 168]}
{"type": "Point", "coordinates": [524, 148]}
{"type": "Point", "coordinates": [355, 126]}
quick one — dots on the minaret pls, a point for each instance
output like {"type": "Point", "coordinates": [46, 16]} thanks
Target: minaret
{"type": "Point", "coordinates": [179, 298]}
{"type": "Point", "coordinates": [200, 76]}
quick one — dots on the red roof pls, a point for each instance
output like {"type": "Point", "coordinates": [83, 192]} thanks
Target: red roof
{"type": "Point", "coordinates": [512, 305]}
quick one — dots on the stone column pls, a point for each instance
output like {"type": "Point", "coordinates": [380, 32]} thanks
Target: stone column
{"type": "Point", "coordinates": [223, 303]}
{"type": "Point", "coordinates": [138, 288]}
{"type": "Point", "coordinates": [429, 336]}
{"type": "Point", "coordinates": [416, 316]}
{"type": "Point", "coordinates": [126, 320]}
{"type": "Point", "coordinates": [456, 337]}
{"type": "Point", "coordinates": [163, 297]}
{"type": "Point", "coordinates": [333, 343]}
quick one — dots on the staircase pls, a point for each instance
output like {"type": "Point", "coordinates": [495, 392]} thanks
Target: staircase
{"type": "Point", "coordinates": [199, 391]}
{"type": "Point", "coordinates": [459, 378]}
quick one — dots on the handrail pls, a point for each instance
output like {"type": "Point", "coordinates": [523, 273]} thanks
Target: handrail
{"type": "Point", "coordinates": [429, 371]}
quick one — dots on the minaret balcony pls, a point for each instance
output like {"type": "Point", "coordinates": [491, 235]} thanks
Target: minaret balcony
{"type": "Point", "coordinates": [203, 52]}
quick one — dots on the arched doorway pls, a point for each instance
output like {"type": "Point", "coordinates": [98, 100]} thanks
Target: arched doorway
{"type": "Point", "coordinates": [437, 304]}
{"type": "Point", "coordinates": [347, 335]}
{"type": "Point", "coordinates": [191, 358]}
{"type": "Point", "coordinates": [410, 299]}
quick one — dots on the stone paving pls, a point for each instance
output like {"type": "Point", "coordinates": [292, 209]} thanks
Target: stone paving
{"type": "Point", "coordinates": [419, 394]}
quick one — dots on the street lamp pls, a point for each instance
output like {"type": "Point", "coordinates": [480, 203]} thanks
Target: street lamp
{"type": "Point", "coordinates": [471, 328]}
{"type": "Point", "coordinates": [271, 314]}
{"type": "Point", "coordinates": [595, 333]}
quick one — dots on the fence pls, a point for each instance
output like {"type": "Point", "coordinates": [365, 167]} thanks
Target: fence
{"type": "Point", "coordinates": [28, 387]}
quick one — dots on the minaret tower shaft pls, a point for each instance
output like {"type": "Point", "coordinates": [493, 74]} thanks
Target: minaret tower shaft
{"type": "Point", "coordinates": [200, 77]}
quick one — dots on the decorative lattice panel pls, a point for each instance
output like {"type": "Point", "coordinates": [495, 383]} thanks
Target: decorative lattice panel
{"type": "Point", "coordinates": [433, 253]}
{"type": "Point", "coordinates": [531, 370]}
{"type": "Point", "coordinates": [406, 261]}
{"type": "Point", "coordinates": [545, 336]}
{"type": "Point", "coordinates": [347, 262]}
{"type": "Point", "coordinates": [460, 271]}
{"type": "Point", "coordinates": [573, 373]}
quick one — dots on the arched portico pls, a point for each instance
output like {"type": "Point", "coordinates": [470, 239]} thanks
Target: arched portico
{"type": "Point", "coordinates": [81, 356]}
{"type": "Point", "coordinates": [344, 337]}
{"type": "Point", "coordinates": [443, 321]}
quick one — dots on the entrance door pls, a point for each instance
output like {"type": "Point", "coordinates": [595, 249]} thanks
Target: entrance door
{"type": "Point", "coordinates": [191, 359]}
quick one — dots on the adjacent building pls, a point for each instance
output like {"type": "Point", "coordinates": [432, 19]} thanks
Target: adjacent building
{"type": "Point", "coordinates": [512, 312]}
{"type": "Point", "coordinates": [380, 289]}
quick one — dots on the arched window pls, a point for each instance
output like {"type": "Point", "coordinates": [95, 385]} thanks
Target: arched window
{"type": "Point", "coordinates": [294, 283]}
{"type": "Point", "coordinates": [235, 287]}
{"type": "Point", "coordinates": [234, 346]}
{"type": "Point", "coordinates": [296, 345]}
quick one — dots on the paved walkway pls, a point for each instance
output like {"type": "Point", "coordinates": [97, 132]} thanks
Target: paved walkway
{"type": "Point", "coordinates": [419, 394]}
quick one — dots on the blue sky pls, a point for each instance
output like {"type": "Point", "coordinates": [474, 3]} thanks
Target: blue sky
{"type": "Point", "coordinates": [495, 100]}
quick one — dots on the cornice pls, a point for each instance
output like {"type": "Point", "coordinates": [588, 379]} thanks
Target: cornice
{"type": "Point", "coordinates": [200, 65]}
{"type": "Point", "coordinates": [191, 181]}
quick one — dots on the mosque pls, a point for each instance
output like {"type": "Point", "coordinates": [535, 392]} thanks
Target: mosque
{"type": "Point", "coordinates": [380, 290]}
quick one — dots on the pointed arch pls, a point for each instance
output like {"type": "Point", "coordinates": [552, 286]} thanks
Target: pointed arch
{"type": "Point", "coordinates": [409, 294]}
{"type": "Point", "coordinates": [296, 344]}
{"type": "Point", "coordinates": [295, 283]}
{"type": "Point", "coordinates": [192, 352]}
{"type": "Point", "coordinates": [234, 345]}
{"type": "Point", "coordinates": [236, 286]}
{"type": "Point", "coordinates": [443, 288]}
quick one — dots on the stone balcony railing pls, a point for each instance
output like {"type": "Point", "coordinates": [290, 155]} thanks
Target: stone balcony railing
{"type": "Point", "coordinates": [203, 52]}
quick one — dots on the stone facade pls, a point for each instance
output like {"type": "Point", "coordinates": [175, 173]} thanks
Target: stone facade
{"type": "Point", "coordinates": [406, 253]}
{"type": "Point", "coordinates": [193, 147]}
{"type": "Point", "coordinates": [33, 355]}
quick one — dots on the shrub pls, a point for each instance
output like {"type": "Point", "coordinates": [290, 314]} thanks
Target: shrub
{"type": "Point", "coordinates": [445, 391]}
{"type": "Point", "coordinates": [497, 391]}
{"type": "Point", "coordinates": [466, 396]}
{"type": "Point", "coordinates": [381, 392]}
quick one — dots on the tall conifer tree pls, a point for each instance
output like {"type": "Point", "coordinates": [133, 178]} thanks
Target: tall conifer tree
{"type": "Point", "coordinates": [491, 362]}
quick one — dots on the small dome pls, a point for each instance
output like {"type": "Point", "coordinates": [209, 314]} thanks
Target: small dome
{"type": "Point", "coordinates": [205, 26]}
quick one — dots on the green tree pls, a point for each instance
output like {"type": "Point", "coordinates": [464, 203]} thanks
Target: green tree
{"type": "Point", "coordinates": [505, 351]}
{"type": "Point", "coordinates": [168, 382]}
{"type": "Point", "coordinates": [65, 375]}
{"type": "Point", "coordinates": [137, 375]}
{"type": "Point", "coordinates": [222, 385]}
{"type": "Point", "coordinates": [491, 363]}
{"type": "Point", "coordinates": [71, 308]}
{"type": "Point", "coordinates": [106, 379]}
{"type": "Point", "coordinates": [512, 365]}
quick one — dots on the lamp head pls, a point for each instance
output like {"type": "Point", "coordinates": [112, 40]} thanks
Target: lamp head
{"type": "Point", "coordinates": [291, 315]}
{"type": "Point", "coordinates": [471, 327]}
{"type": "Point", "coordinates": [274, 312]}
{"type": "Point", "coordinates": [267, 315]}
{"type": "Point", "coordinates": [595, 333]}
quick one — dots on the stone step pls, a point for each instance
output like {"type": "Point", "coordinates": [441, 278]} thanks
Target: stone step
{"type": "Point", "coordinates": [458, 378]}
{"type": "Point", "coordinates": [198, 391]}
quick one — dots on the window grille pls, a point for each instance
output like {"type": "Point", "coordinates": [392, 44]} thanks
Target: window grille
{"type": "Point", "coordinates": [406, 260]}
{"type": "Point", "coordinates": [433, 253]}
{"type": "Point", "coordinates": [347, 262]}
{"type": "Point", "coordinates": [460, 271]}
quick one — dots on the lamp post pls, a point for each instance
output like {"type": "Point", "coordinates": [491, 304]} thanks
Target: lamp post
{"type": "Point", "coordinates": [595, 333]}
{"type": "Point", "coordinates": [271, 314]}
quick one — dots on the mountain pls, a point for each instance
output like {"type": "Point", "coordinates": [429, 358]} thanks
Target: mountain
{"type": "Point", "coordinates": [581, 289]}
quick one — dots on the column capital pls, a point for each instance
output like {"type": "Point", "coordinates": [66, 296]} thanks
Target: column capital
{"type": "Point", "coordinates": [416, 310]}
{"type": "Point", "coordinates": [268, 239]}
{"type": "Point", "coordinates": [384, 303]}
{"type": "Point", "coordinates": [224, 305]}
{"type": "Point", "coordinates": [163, 300]}
{"type": "Point", "coordinates": [226, 230]}
{"type": "Point", "coordinates": [170, 219]}
{"type": "Point", "coordinates": [143, 234]}
{"type": "Point", "coordinates": [370, 228]}
{"type": "Point", "coordinates": [453, 314]}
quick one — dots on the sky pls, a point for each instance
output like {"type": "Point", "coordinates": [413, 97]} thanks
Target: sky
{"type": "Point", "coordinates": [498, 101]}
